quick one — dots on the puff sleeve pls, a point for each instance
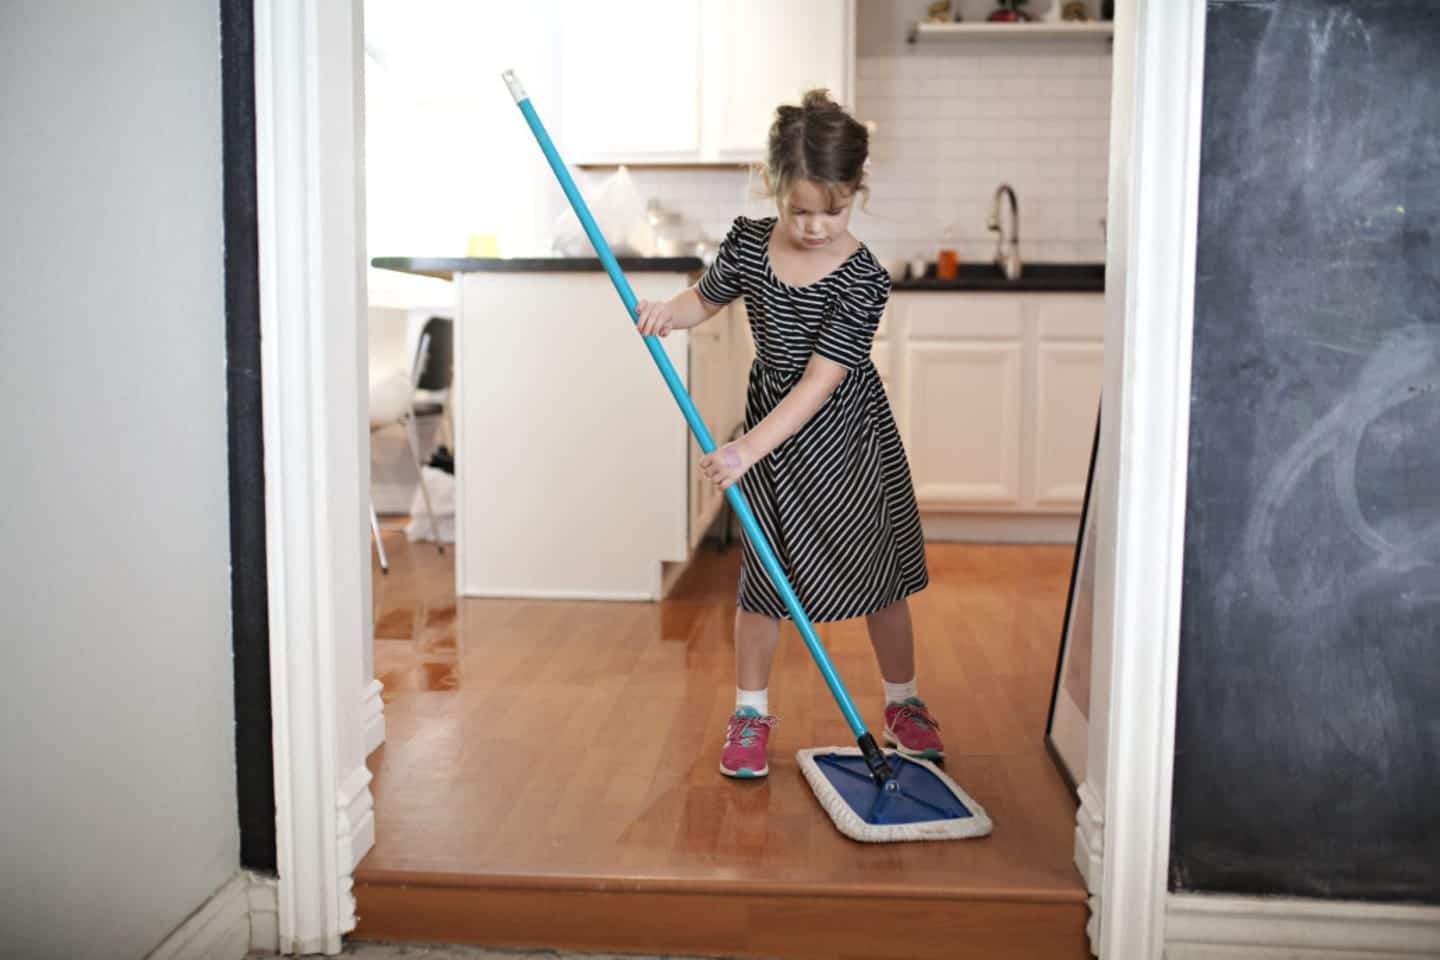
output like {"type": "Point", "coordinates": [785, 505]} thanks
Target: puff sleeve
{"type": "Point", "coordinates": [722, 282]}
{"type": "Point", "coordinates": [848, 330]}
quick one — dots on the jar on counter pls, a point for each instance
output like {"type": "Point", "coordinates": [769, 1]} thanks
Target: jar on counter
{"type": "Point", "coordinates": [947, 261]}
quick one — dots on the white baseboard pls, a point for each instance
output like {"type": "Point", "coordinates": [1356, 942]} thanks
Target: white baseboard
{"type": "Point", "coordinates": [264, 897]}
{"type": "Point", "coordinates": [1090, 857]}
{"type": "Point", "coordinates": [1202, 927]}
{"type": "Point", "coordinates": [372, 712]}
{"type": "Point", "coordinates": [356, 829]}
{"type": "Point", "coordinates": [942, 527]}
{"type": "Point", "coordinates": [620, 596]}
{"type": "Point", "coordinates": [357, 818]}
{"type": "Point", "coordinates": [238, 919]}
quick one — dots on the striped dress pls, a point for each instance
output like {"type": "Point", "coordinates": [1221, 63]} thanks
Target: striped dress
{"type": "Point", "coordinates": [835, 499]}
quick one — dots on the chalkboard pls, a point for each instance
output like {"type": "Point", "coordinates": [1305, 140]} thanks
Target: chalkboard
{"type": "Point", "coordinates": [1307, 757]}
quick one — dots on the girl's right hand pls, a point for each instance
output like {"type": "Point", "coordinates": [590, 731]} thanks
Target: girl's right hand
{"type": "Point", "coordinates": [654, 319]}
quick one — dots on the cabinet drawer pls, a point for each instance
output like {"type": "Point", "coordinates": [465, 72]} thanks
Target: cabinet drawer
{"type": "Point", "coordinates": [1070, 317]}
{"type": "Point", "coordinates": [661, 121]}
{"type": "Point", "coordinates": [968, 317]}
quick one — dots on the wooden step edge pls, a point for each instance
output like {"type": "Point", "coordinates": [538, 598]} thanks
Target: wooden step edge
{"type": "Point", "coordinates": [716, 924]}
{"type": "Point", "coordinates": [713, 886]}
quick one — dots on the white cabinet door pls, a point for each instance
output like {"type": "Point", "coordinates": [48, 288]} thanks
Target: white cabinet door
{"type": "Point", "coordinates": [884, 353]}
{"type": "Point", "coordinates": [963, 406]}
{"type": "Point", "coordinates": [882, 356]}
{"type": "Point", "coordinates": [630, 80]}
{"type": "Point", "coordinates": [761, 53]}
{"type": "Point", "coordinates": [711, 391]}
{"type": "Point", "coordinates": [742, 359]}
{"type": "Point", "coordinates": [1066, 399]}
{"type": "Point", "coordinates": [1064, 396]}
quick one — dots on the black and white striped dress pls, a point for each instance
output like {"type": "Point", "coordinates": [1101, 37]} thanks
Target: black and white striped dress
{"type": "Point", "coordinates": [835, 499]}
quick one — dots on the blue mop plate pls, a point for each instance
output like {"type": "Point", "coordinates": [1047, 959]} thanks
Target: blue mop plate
{"type": "Point", "coordinates": [922, 803]}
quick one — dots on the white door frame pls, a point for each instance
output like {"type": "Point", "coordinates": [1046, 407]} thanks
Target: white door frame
{"type": "Point", "coordinates": [309, 83]}
{"type": "Point", "coordinates": [310, 211]}
{"type": "Point", "coordinates": [1123, 832]}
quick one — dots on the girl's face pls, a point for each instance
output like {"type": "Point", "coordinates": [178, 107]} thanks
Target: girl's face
{"type": "Point", "coordinates": [811, 219]}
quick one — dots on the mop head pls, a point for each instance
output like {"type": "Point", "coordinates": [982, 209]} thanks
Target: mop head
{"type": "Point", "coordinates": [921, 804]}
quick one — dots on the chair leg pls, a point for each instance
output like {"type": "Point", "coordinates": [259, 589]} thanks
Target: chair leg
{"type": "Point", "coordinates": [379, 545]}
{"type": "Point", "coordinates": [414, 437]}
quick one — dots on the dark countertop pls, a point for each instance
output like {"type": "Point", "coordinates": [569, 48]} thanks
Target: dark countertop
{"type": "Point", "coordinates": [446, 267]}
{"type": "Point", "coordinates": [1034, 277]}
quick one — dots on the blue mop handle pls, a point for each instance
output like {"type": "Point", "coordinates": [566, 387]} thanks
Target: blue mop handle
{"type": "Point", "coordinates": [687, 407]}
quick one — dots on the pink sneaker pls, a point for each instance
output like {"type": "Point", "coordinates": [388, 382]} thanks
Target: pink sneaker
{"type": "Point", "coordinates": [745, 756]}
{"type": "Point", "coordinates": [912, 730]}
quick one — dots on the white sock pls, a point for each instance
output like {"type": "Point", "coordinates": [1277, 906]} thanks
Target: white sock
{"type": "Point", "coordinates": [899, 692]}
{"type": "Point", "coordinates": [759, 699]}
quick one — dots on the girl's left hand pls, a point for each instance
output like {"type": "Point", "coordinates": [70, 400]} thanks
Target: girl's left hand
{"type": "Point", "coordinates": [727, 464]}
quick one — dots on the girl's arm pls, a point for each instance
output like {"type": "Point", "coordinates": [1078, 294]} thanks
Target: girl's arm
{"type": "Point", "coordinates": [681, 312]}
{"type": "Point", "coordinates": [728, 463]}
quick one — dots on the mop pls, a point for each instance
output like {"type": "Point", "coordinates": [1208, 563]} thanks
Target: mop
{"type": "Point", "coordinates": [869, 796]}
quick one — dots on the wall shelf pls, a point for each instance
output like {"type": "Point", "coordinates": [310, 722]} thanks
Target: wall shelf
{"type": "Point", "coordinates": [667, 165]}
{"type": "Point", "coordinates": [1034, 30]}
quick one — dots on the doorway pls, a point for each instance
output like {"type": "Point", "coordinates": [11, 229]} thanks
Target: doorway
{"type": "Point", "coordinates": [1121, 578]}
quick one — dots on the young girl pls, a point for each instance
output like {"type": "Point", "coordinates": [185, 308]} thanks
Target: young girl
{"type": "Point", "coordinates": [820, 461]}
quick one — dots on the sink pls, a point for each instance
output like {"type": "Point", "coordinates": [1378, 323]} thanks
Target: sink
{"type": "Point", "coordinates": [1055, 277]}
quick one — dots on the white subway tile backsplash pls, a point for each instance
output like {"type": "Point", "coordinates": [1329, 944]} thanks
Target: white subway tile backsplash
{"type": "Point", "coordinates": [910, 109]}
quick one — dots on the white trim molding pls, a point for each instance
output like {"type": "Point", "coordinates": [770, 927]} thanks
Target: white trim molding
{"type": "Point", "coordinates": [372, 709]}
{"type": "Point", "coordinates": [1159, 57]}
{"type": "Point", "coordinates": [220, 929]}
{"type": "Point", "coordinates": [356, 835]}
{"type": "Point", "coordinates": [264, 897]}
{"type": "Point", "coordinates": [945, 527]}
{"type": "Point", "coordinates": [229, 926]}
{"type": "Point", "coordinates": [308, 99]}
{"type": "Point", "coordinates": [1090, 857]}
{"type": "Point", "coordinates": [1203, 927]}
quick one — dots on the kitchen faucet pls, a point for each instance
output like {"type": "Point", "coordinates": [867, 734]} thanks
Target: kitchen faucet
{"type": "Point", "coordinates": [1007, 254]}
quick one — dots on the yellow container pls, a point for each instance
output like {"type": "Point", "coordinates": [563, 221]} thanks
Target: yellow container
{"type": "Point", "coordinates": [482, 245]}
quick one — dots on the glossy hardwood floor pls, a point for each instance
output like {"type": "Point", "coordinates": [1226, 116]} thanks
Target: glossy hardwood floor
{"type": "Point", "coordinates": [549, 775]}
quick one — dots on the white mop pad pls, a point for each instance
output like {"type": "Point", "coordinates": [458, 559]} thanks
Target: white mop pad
{"type": "Point", "coordinates": [915, 779]}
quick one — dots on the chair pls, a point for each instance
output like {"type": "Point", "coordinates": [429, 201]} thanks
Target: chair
{"type": "Point", "coordinates": [433, 371]}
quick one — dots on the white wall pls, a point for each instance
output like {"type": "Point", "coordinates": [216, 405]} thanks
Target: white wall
{"type": "Point", "coordinates": [117, 742]}
{"type": "Point", "coordinates": [447, 154]}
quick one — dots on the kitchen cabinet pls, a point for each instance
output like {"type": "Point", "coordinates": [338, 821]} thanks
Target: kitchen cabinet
{"type": "Point", "coordinates": [996, 396]}
{"type": "Point", "coordinates": [630, 80]}
{"type": "Point", "coordinates": [717, 386]}
{"type": "Point", "coordinates": [964, 401]}
{"type": "Point", "coordinates": [1065, 397]}
{"type": "Point", "coordinates": [883, 357]}
{"type": "Point", "coordinates": [695, 81]}
{"type": "Point", "coordinates": [786, 48]}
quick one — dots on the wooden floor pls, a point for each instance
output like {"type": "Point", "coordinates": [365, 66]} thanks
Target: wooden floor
{"type": "Point", "coordinates": [549, 774]}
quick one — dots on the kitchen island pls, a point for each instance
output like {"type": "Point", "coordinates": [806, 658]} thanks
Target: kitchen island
{"type": "Point", "coordinates": [575, 474]}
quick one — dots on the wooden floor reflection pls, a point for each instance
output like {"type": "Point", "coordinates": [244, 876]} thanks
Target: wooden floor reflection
{"type": "Point", "coordinates": [569, 749]}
